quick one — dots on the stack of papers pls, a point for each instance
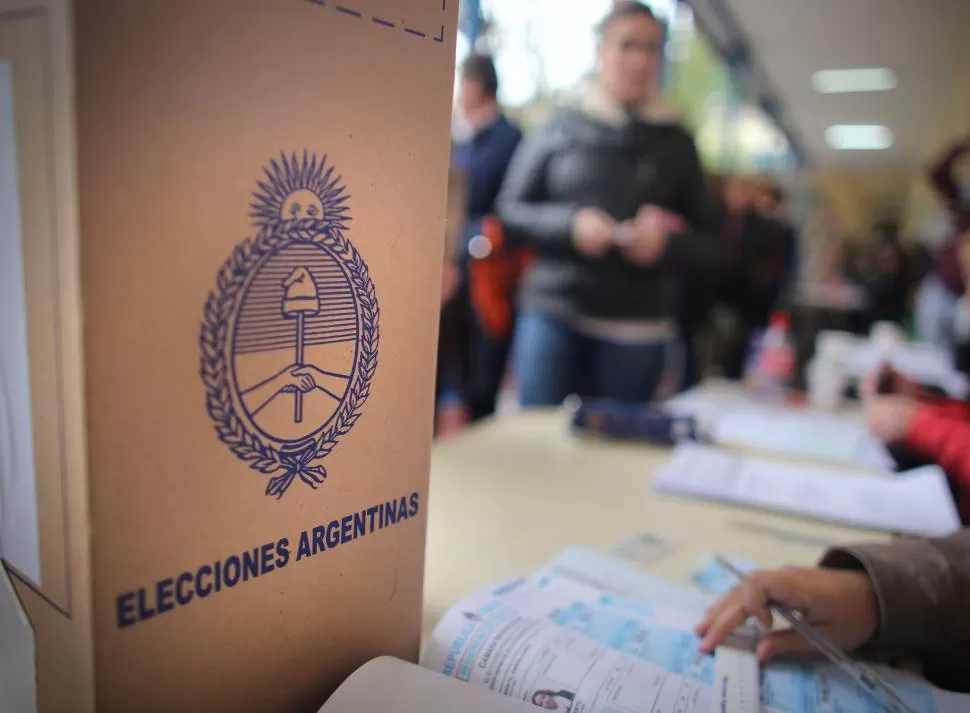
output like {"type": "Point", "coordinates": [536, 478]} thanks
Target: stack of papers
{"type": "Point", "coordinates": [591, 633]}
{"type": "Point", "coordinates": [923, 363]}
{"type": "Point", "coordinates": [732, 417]}
{"type": "Point", "coordinates": [806, 433]}
{"type": "Point", "coordinates": [917, 502]}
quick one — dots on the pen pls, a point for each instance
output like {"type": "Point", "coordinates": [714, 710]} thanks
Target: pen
{"type": "Point", "coordinates": [884, 380]}
{"type": "Point", "coordinates": [861, 674]}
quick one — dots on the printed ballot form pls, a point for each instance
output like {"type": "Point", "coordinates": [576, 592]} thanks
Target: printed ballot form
{"type": "Point", "coordinates": [916, 502]}
{"type": "Point", "coordinates": [581, 636]}
{"type": "Point", "coordinates": [568, 657]}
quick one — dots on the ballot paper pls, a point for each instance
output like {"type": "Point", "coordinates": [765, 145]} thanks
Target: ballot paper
{"type": "Point", "coordinates": [924, 363]}
{"type": "Point", "coordinates": [712, 577]}
{"type": "Point", "coordinates": [806, 432]}
{"type": "Point", "coordinates": [541, 640]}
{"type": "Point", "coordinates": [916, 502]}
{"type": "Point", "coordinates": [732, 417]}
{"type": "Point", "coordinates": [566, 636]}
{"type": "Point", "coordinates": [617, 577]}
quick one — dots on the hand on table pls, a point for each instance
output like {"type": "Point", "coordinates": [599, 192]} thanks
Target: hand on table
{"type": "Point", "coordinates": [889, 415]}
{"type": "Point", "coordinates": [839, 604]}
{"type": "Point", "coordinates": [898, 384]}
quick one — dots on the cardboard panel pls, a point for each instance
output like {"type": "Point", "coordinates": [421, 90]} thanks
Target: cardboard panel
{"type": "Point", "coordinates": [262, 190]}
{"type": "Point", "coordinates": [36, 43]}
{"type": "Point", "coordinates": [42, 560]}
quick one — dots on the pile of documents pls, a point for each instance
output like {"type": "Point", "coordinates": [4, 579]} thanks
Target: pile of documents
{"type": "Point", "coordinates": [731, 417]}
{"type": "Point", "coordinates": [590, 632]}
{"type": "Point", "coordinates": [916, 502]}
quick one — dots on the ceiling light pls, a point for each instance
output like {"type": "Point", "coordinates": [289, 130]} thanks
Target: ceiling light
{"type": "Point", "coordinates": [858, 137]}
{"type": "Point", "coordinates": [845, 81]}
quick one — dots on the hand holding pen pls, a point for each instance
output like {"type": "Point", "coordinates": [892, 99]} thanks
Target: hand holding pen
{"type": "Point", "coordinates": [830, 611]}
{"type": "Point", "coordinates": [840, 604]}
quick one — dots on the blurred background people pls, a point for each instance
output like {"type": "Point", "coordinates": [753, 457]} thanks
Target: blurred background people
{"type": "Point", "coordinates": [961, 312]}
{"type": "Point", "coordinates": [942, 288]}
{"type": "Point", "coordinates": [884, 278]}
{"type": "Point", "coordinates": [697, 302]}
{"type": "Point", "coordinates": [776, 263]}
{"type": "Point", "coordinates": [610, 193]}
{"type": "Point", "coordinates": [483, 157]}
{"type": "Point", "coordinates": [759, 248]}
{"type": "Point", "coordinates": [451, 375]}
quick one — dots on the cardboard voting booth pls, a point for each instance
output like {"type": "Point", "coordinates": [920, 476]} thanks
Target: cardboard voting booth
{"type": "Point", "coordinates": [222, 229]}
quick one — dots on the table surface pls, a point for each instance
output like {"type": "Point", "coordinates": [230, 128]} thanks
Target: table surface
{"type": "Point", "coordinates": [507, 495]}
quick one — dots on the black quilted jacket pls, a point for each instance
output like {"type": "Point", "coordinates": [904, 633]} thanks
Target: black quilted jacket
{"type": "Point", "coordinates": [577, 161]}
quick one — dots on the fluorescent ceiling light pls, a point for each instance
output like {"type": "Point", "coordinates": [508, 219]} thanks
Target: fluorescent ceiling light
{"type": "Point", "coordinates": [846, 81]}
{"type": "Point", "coordinates": [858, 137]}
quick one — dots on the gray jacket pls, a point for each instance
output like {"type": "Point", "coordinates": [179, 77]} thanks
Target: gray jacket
{"type": "Point", "coordinates": [923, 589]}
{"type": "Point", "coordinates": [591, 155]}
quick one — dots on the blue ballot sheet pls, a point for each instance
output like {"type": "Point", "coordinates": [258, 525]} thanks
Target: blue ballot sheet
{"type": "Point", "coordinates": [672, 648]}
{"type": "Point", "coordinates": [714, 579]}
{"type": "Point", "coordinates": [591, 626]}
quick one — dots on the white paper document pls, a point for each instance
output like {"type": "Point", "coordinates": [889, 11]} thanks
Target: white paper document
{"type": "Point", "coordinates": [559, 642]}
{"type": "Point", "coordinates": [808, 433]}
{"type": "Point", "coordinates": [19, 531]}
{"type": "Point", "coordinates": [732, 417]}
{"type": "Point", "coordinates": [917, 502]}
{"type": "Point", "coordinates": [924, 363]}
{"type": "Point", "coordinates": [389, 685]}
{"type": "Point", "coordinates": [550, 660]}
{"type": "Point", "coordinates": [603, 573]}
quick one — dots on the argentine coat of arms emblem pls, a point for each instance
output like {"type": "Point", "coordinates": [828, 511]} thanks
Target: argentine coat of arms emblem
{"type": "Point", "coordinates": [290, 334]}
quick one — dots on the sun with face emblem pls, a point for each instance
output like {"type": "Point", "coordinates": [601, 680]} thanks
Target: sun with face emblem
{"type": "Point", "coordinates": [300, 189]}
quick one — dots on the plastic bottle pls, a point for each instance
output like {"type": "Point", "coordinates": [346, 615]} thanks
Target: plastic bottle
{"type": "Point", "coordinates": [775, 364]}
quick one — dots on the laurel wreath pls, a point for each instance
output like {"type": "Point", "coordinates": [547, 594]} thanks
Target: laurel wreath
{"type": "Point", "coordinates": [221, 303]}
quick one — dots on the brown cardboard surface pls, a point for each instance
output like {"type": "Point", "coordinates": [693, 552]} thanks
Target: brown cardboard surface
{"type": "Point", "coordinates": [181, 105]}
{"type": "Point", "coordinates": [36, 39]}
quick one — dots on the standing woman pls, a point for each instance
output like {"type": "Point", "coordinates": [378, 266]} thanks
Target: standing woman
{"type": "Point", "coordinates": [612, 200]}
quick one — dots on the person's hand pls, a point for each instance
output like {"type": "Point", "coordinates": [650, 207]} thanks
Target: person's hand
{"type": "Point", "coordinates": [593, 232]}
{"type": "Point", "coordinates": [888, 416]}
{"type": "Point", "coordinates": [670, 221]}
{"type": "Point", "coordinates": [839, 604]}
{"type": "Point", "coordinates": [647, 236]}
{"type": "Point", "coordinates": [898, 384]}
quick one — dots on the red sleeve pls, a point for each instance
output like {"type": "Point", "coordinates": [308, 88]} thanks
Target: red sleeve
{"type": "Point", "coordinates": [944, 439]}
{"type": "Point", "coordinates": [951, 408]}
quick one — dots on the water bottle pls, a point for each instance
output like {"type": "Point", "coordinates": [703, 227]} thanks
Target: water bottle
{"type": "Point", "coordinates": [775, 363]}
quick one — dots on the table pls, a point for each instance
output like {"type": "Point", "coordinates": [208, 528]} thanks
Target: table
{"type": "Point", "coordinates": [507, 495]}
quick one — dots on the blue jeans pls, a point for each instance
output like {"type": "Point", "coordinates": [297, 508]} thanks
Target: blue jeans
{"type": "Point", "coordinates": [552, 361]}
